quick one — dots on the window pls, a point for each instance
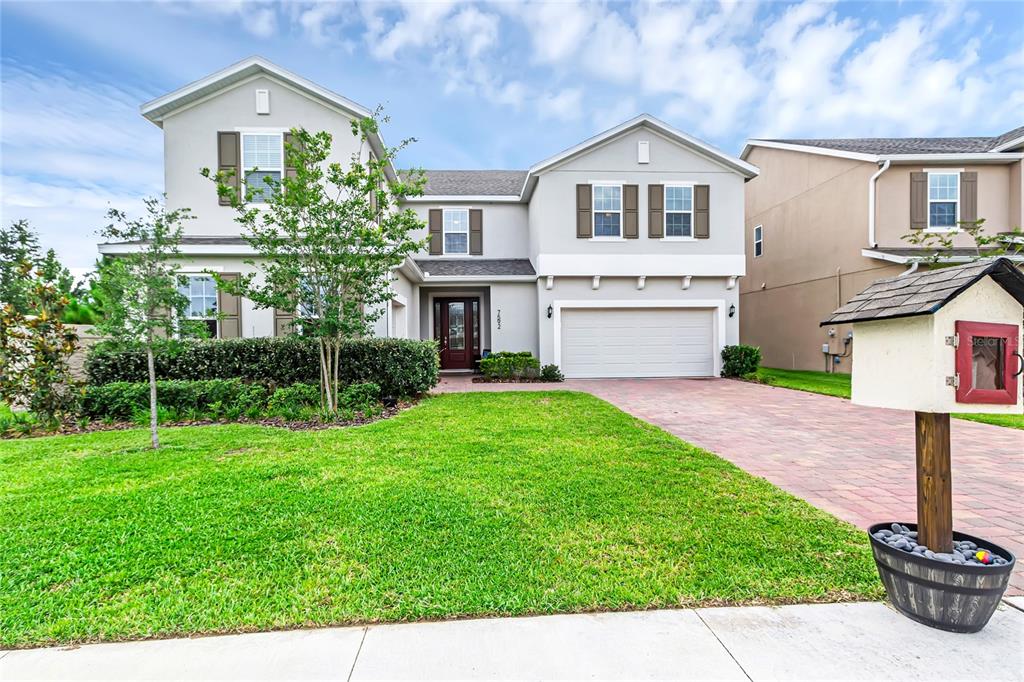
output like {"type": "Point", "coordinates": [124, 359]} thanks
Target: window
{"type": "Point", "coordinates": [607, 210]}
{"type": "Point", "coordinates": [758, 241]}
{"type": "Point", "coordinates": [262, 157]}
{"type": "Point", "coordinates": [678, 211]}
{"type": "Point", "coordinates": [985, 355]}
{"type": "Point", "coordinates": [456, 231]}
{"type": "Point", "coordinates": [943, 200]}
{"type": "Point", "coordinates": [201, 292]}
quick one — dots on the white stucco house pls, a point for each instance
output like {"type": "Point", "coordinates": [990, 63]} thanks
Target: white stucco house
{"type": "Point", "coordinates": [618, 257]}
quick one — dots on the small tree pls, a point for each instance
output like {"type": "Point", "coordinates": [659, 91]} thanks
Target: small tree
{"type": "Point", "coordinates": [140, 288]}
{"type": "Point", "coordinates": [938, 246]}
{"type": "Point", "coordinates": [329, 238]}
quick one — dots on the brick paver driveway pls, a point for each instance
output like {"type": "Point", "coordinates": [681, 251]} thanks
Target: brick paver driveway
{"type": "Point", "coordinates": [855, 462]}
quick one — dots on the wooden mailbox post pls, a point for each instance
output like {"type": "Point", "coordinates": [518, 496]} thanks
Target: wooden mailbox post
{"type": "Point", "coordinates": [939, 341]}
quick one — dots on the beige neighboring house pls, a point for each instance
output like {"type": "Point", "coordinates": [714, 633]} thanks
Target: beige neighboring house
{"type": "Point", "coordinates": [826, 218]}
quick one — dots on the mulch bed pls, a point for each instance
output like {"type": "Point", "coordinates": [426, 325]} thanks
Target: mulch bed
{"type": "Point", "coordinates": [278, 422]}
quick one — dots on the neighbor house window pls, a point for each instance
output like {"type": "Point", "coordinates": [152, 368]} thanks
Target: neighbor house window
{"type": "Point", "coordinates": [607, 210]}
{"type": "Point", "coordinates": [758, 241]}
{"type": "Point", "coordinates": [943, 200]}
{"type": "Point", "coordinates": [678, 211]}
{"type": "Point", "coordinates": [262, 157]}
{"type": "Point", "coordinates": [456, 231]}
{"type": "Point", "coordinates": [201, 292]}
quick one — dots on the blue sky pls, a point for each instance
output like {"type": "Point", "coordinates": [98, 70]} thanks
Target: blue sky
{"type": "Point", "coordinates": [499, 85]}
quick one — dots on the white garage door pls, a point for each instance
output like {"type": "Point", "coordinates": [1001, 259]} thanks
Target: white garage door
{"type": "Point", "coordinates": [637, 342]}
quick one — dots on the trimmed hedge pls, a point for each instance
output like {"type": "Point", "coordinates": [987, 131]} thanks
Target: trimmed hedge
{"type": "Point", "coordinates": [122, 399]}
{"type": "Point", "coordinates": [510, 365]}
{"type": "Point", "coordinates": [400, 367]}
{"type": "Point", "coordinates": [740, 361]}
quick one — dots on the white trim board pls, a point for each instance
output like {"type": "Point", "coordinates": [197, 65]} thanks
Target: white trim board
{"type": "Point", "coordinates": [652, 265]}
{"type": "Point", "coordinates": [718, 305]}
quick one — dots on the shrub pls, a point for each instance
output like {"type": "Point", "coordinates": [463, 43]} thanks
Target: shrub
{"type": "Point", "coordinates": [551, 373]}
{"type": "Point", "coordinates": [401, 367]}
{"type": "Point", "coordinates": [740, 361]}
{"type": "Point", "coordinates": [295, 401]}
{"type": "Point", "coordinates": [122, 399]}
{"type": "Point", "coordinates": [509, 365]}
{"type": "Point", "coordinates": [360, 397]}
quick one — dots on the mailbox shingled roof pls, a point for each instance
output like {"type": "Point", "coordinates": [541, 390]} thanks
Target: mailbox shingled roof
{"type": "Point", "coordinates": [923, 293]}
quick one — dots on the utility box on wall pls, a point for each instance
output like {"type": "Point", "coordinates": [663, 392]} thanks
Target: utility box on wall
{"type": "Point", "coordinates": [943, 340]}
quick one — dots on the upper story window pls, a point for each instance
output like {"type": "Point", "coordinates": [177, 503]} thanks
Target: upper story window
{"type": "Point", "coordinates": [607, 210]}
{"type": "Point", "coordinates": [456, 231]}
{"type": "Point", "coordinates": [201, 292]}
{"type": "Point", "coordinates": [943, 200]}
{"type": "Point", "coordinates": [678, 211]}
{"type": "Point", "coordinates": [262, 157]}
{"type": "Point", "coordinates": [758, 241]}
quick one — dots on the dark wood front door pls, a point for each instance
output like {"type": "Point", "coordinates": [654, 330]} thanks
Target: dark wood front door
{"type": "Point", "coordinates": [457, 330]}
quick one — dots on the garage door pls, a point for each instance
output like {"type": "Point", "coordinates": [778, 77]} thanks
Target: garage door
{"type": "Point", "coordinates": [637, 342]}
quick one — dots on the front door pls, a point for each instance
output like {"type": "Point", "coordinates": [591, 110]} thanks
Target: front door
{"type": "Point", "coordinates": [457, 329]}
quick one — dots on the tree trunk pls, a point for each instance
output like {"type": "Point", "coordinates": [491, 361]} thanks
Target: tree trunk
{"type": "Point", "coordinates": [152, 392]}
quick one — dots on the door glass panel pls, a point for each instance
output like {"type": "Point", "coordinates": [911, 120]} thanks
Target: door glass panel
{"type": "Point", "coordinates": [987, 355]}
{"type": "Point", "coordinates": [457, 325]}
{"type": "Point", "coordinates": [437, 320]}
{"type": "Point", "coordinates": [476, 326]}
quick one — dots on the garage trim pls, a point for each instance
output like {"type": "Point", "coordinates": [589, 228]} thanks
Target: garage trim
{"type": "Point", "coordinates": [718, 331]}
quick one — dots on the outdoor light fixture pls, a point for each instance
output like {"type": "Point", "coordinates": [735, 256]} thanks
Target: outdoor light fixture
{"type": "Point", "coordinates": [732, 310]}
{"type": "Point", "coordinates": [551, 311]}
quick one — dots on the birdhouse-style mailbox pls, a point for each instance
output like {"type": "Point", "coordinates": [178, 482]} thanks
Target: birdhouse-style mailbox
{"type": "Point", "coordinates": [935, 342]}
{"type": "Point", "coordinates": [945, 340]}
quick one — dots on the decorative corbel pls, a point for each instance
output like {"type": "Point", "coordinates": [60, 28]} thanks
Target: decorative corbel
{"type": "Point", "coordinates": [596, 283]}
{"type": "Point", "coordinates": [641, 281]}
{"type": "Point", "coordinates": [550, 283]}
{"type": "Point", "coordinates": [686, 282]}
{"type": "Point", "coordinates": [731, 284]}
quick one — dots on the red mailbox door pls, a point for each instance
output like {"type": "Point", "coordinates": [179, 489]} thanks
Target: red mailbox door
{"type": "Point", "coordinates": [987, 363]}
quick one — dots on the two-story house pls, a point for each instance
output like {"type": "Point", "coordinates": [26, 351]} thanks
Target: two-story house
{"type": "Point", "coordinates": [619, 256]}
{"type": "Point", "coordinates": [825, 218]}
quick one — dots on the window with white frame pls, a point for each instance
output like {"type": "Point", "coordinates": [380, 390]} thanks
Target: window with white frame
{"type": "Point", "coordinates": [678, 211]}
{"type": "Point", "coordinates": [262, 157]}
{"type": "Point", "coordinates": [607, 210]}
{"type": "Point", "coordinates": [456, 231]}
{"type": "Point", "coordinates": [758, 241]}
{"type": "Point", "coordinates": [201, 292]}
{"type": "Point", "coordinates": [943, 200]}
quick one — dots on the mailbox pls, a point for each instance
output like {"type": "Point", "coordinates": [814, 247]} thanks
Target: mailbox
{"type": "Point", "coordinates": [944, 340]}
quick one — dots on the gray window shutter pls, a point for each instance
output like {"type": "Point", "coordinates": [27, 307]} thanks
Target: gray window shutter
{"type": "Point", "coordinates": [655, 211]}
{"type": "Point", "coordinates": [476, 232]}
{"type": "Point", "coordinates": [630, 211]}
{"type": "Point", "coordinates": [230, 308]}
{"type": "Point", "coordinates": [918, 201]}
{"type": "Point", "coordinates": [283, 322]}
{"type": "Point", "coordinates": [701, 211]}
{"type": "Point", "coordinates": [289, 171]}
{"type": "Point", "coordinates": [584, 222]}
{"type": "Point", "coordinates": [229, 161]}
{"type": "Point", "coordinates": [968, 197]}
{"type": "Point", "coordinates": [435, 217]}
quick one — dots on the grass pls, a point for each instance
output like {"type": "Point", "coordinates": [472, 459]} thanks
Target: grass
{"type": "Point", "coordinates": [472, 504]}
{"type": "Point", "coordinates": [839, 385]}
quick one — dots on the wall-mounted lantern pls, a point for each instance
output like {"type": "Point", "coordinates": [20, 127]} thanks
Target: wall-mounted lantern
{"type": "Point", "coordinates": [551, 311]}
{"type": "Point", "coordinates": [732, 310]}
{"type": "Point", "coordinates": [935, 342]}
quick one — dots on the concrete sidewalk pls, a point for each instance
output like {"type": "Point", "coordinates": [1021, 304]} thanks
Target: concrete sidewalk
{"type": "Point", "coordinates": [863, 641]}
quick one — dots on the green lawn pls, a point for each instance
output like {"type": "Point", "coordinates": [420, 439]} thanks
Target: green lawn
{"type": "Point", "coordinates": [839, 385]}
{"type": "Point", "coordinates": [473, 504]}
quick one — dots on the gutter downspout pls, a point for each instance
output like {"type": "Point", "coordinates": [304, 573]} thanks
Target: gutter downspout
{"type": "Point", "coordinates": [872, 243]}
{"type": "Point", "coordinates": [911, 270]}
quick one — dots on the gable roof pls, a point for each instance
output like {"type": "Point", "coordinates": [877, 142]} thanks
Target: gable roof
{"type": "Point", "coordinates": [646, 120]}
{"type": "Point", "coordinates": [155, 110]}
{"type": "Point", "coordinates": [878, 148]}
{"type": "Point", "coordinates": [506, 183]}
{"type": "Point", "coordinates": [925, 292]}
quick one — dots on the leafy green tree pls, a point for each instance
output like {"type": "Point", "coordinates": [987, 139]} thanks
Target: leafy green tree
{"type": "Point", "coordinates": [329, 237]}
{"type": "Point", "coordinates": [19, 245]}
{"type": "Point", "coordinates": [938, 245]}
{"type": "Point", "coordinates": [142, 302]}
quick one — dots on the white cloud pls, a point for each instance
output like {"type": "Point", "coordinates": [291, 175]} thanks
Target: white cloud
{"type": "Point", "coordinates": [566, 105]}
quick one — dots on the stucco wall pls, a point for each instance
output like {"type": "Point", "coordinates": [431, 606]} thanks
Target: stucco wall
{"type": "Point", "coordinates": [516, 303]}
{"type": "Point", "coordinates": [625, 289]}
{"type": "Point", "coordinates": [903, 363]}
{"type": "Point", "coordinates": [190, 143]}
{"type": "Point", "coordinates": [553, 205]}
{"type": "Point", "coordinates": [505, 228]}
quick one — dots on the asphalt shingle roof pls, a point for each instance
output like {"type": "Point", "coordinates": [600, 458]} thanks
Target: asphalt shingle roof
{"type": "Point", "coordinates": [474, 182]}
{"type": "Point", "coordinates": [909, 145]}
{"type": "Point", "coordinates": [923, 293]}
{"type": "Point", "coordinates": [476, 267]}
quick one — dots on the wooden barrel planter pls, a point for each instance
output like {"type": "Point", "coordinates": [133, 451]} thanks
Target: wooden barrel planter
{"type": "Point", "coordinates": [951, 597]}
